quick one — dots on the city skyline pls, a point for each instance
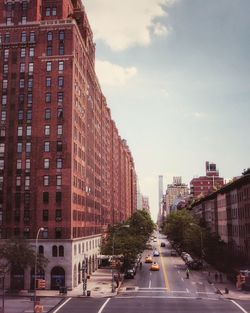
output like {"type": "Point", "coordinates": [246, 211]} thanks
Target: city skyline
{"type": "Point", "coordinates": [176, 77]}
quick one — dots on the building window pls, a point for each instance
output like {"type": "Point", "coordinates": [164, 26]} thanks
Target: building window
{"type": "Point", "coordinates": [31, 68]}
{"type": "Point", "coordinates": [24, 5]}
{"type": "Point", "coordinates": [32, 37]}
{"type": "Point", "coordinates": [21, 83]}
{"type": "Point", "coordinates": [24, 20]}
{"type": "Point", "coordinates": [28, 131]}
{"type": "Point", "coordinates": [59, 130]}
{"type": "Point", "coordinates": [5, 68]}
{"type": "Point", "coordinates": [48, 82]}
{"type": "Point", "coordinates": [41, 250]}
{"type": "Point", "coordinates": [29, 115]}
{"type": "Point", "coordinates": [6, 54]}
{"type": "Point", "coordinates": [46, 180]}
{"type": "Point", "coordinates": [58, 180]}
{"type": "Point", "coordinates": [30, 99]}
{"type": "Point", "coordinates": [26, 233]}
{"type": "Point", "coordinates": [60, 96]}
{"type": "Point", "coordinates": [30, 84]}
{"type": "Point", "coordinates": [46, 163]}
{"type": "Point", "coordinates": [48, 66]}
{"type": "Point", "coordinates": [61, 49]}
{"type": "Point", "coordinates": [47, 11]}
{"type": "Point", "coordinates": [49, 36]}
{"type": "Point", "coordinates": [61, 250]}
{"type": "Point", "coordinates": [59, 163]}
{"type": "Point", "coordinates": [48, 97]}
{"type": "Point", "coordinates": [5, 83]}
{"type": "Point", "coordinates": [1, 164]}
{"type": "Point", "coordinates": [53, 11]}
{"type": "Point", "coordinates": [18, 181]}
{"type": "Point", "coordinates": [19, 131]}
{"type": "Point", "coordinates": [8, 21]}
{"type": "Point", "coordinates": [27, 182]}
{"type": "Point", "coordinates": [31, 52]}
{"type": "Point", "coordinates": [45, 197]}
{"type": "Point", "coordinates": [45, 215]}
{"type": "Point", "coordinates": [2, 132]}
{"type": "Point", "coordinates": [27, 165]}
{"type": "Point", "coordinates": [23, 37]}
{"type": "Point", "coordinates": [60, 113]}
{"type": "Point", "coordinates": [59, 146]}
{"type": "Point", "coordinates": [46, 146]}
{"type": "Point", "coordinates": [58, 197]}
{"type": "Point", "coordinates": [61, 35]}
{"type": "Point", "coordinates": [28, 147]}
{"type": "Point", "coordinates": [20, 115]}
{"type": "Point", "coordinates": [4, 100]}
{"type": "Point", "coordinates": [54, 251]}
{"type": "Point", "coordinates": [3, 116]}
{"type": "Point", "coordinates": [47, 114]}
{"type": "Point", "coordinates": [19, 147]}
{"type": "Point", "coordinates": [18, 164]}
{"type": "Point", "coordinates": [7, 38]}
{"type": "Point", "coordinates": [60, 66]}
{"type": "Point", "coordinates": [47, 130]}
{"type": "Point", "coordinates": [58, 215]}
{"type": "Point", "coordinates": [23, 52]}
{"type": "Point", "coordinates": [49, 51]}
{"type": "Point", "coordinates": [60, 81]}
{"type": "Point", "coordinates": [22, 67]}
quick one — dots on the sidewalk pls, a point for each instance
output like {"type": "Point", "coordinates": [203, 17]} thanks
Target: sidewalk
{"type": "Point", "coordinates": [221, 286]}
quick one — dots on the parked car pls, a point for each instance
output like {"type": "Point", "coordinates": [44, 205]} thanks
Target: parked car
{"type": "Point", "coordinates": [129, 273]}
{"type": "Point", "coordinates": [155, 267]}
{"type": "Point", "coordinates": [163, 244]}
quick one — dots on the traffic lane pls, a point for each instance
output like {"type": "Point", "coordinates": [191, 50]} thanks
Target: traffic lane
{"type": "Point", "coordinates": [79, 305]}
{"type": "Point", "coordinates": [245, 304]}
{"type": "Point", "coordinates": [165, 305]}
{"type": "Point", "coordinates": [157, 279]}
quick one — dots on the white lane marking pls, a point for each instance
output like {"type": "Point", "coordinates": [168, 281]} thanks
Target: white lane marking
{"type": "Point", "coordinates": [163, 297]}
{"type": "Point", "coordinates": [103, 306]}
{"type": "Point", "coordinates": [158, 288]}
{"type": "Point", "coordinates": [240, 307]}
{"type": "Point", "coordinates": [187, 290]}
{"type": "Point", "coordinates": [182, 279]}
{"type": "Point", "coordinates": [62, 305]}
{"type": "Point", "coordinates": [178, 272]}
{"type": "Point", "coordinates": [149, 286]}
{"type": "Point", "coordinates": [205, 292]}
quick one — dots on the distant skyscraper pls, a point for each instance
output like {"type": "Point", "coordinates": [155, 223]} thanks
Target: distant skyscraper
{"type": "Point", "coordinates": [160, 191]}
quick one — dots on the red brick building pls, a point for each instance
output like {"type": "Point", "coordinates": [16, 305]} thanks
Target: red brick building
{"type": "Point", "coordinates": [204, 185]}
{"type": "Point", "coordinates": [63, 165]}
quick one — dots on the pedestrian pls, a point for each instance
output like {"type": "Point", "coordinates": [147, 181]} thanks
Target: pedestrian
{"type": "Point", "coordinates": [221, 279]}
{"type": "Point", "coordinates": [216, 276]}
{"type": "Point", "coordinates": [140, 265]}
{"type": "Point", "coordinates": [187, 273]}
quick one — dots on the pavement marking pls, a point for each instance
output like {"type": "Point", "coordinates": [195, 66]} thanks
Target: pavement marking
{"type": "Point", "coordinates": [187, 290]}
{"type": "Point", "coordinates": [178, 272]}
{"type": "Point", "coordinates": [164, 269]}
{"type": "Point", "coordinates": [103, 306]}
{"type": "Point", "coordinates": [60, 306]}
{"type": "Point", "coordinates": [240, 307]}
{"type": "Point", "coordinates": [182, 279]}
{"type": "Point", "coordinates": [206, 292]}
{"type": "Point", "coordinates": [150, 282]}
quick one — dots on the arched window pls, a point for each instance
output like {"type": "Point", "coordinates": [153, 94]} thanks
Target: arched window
{"type": "Point", "coordinates": [41, 250]}
{"type": "Point", "coordinates": [61, 250]}
{"type": "Point", "coordinates": [54, 251]}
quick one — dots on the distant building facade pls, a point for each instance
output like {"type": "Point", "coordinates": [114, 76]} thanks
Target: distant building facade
{"type": "Point", "coordinates": [63, 164]}
{"type": "Point", "coordinates": [206, 184]}
{"type": "Point", "coordinates": [227, 213]}
{"type": "Point", "coordinates": [175, 191]}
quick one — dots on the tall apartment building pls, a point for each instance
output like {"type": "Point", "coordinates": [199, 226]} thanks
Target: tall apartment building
{"type": "Point", "coordinates": [204, 185]}
{"type": "Point", "coordinates": [63, 165]}
{"type": "Point", "coordinates": [175, 190]}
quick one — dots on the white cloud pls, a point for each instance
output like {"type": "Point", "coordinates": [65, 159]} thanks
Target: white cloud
{"type": "Point", "coordinates": [123, 24]}
{"type": "Point", "coordinates": [198, 114]}
{"type": "Point", "coordinates": [113, 74]}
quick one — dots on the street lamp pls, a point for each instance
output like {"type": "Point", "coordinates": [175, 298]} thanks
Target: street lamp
{"type": "Point", "coordinates": [35, 273]}
{"type": "Point", "coordinates": [113, 253]}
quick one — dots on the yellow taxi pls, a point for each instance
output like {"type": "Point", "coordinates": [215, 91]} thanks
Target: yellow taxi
{"type": "Point", "coordinates": [155, 267]}
{"type": "Point", "coordinates": [148, 259]}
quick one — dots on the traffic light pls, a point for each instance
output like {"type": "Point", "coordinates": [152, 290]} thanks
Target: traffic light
{"type": "Point", "coordinates": [41, 284]}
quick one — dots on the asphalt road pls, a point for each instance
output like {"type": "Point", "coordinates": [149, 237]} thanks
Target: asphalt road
{"type": "Point", "coordinates": [167, 290]}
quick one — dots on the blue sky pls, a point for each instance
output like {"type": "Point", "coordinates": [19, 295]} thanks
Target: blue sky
{"type": "Point", "coordinates": [176, 75]}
